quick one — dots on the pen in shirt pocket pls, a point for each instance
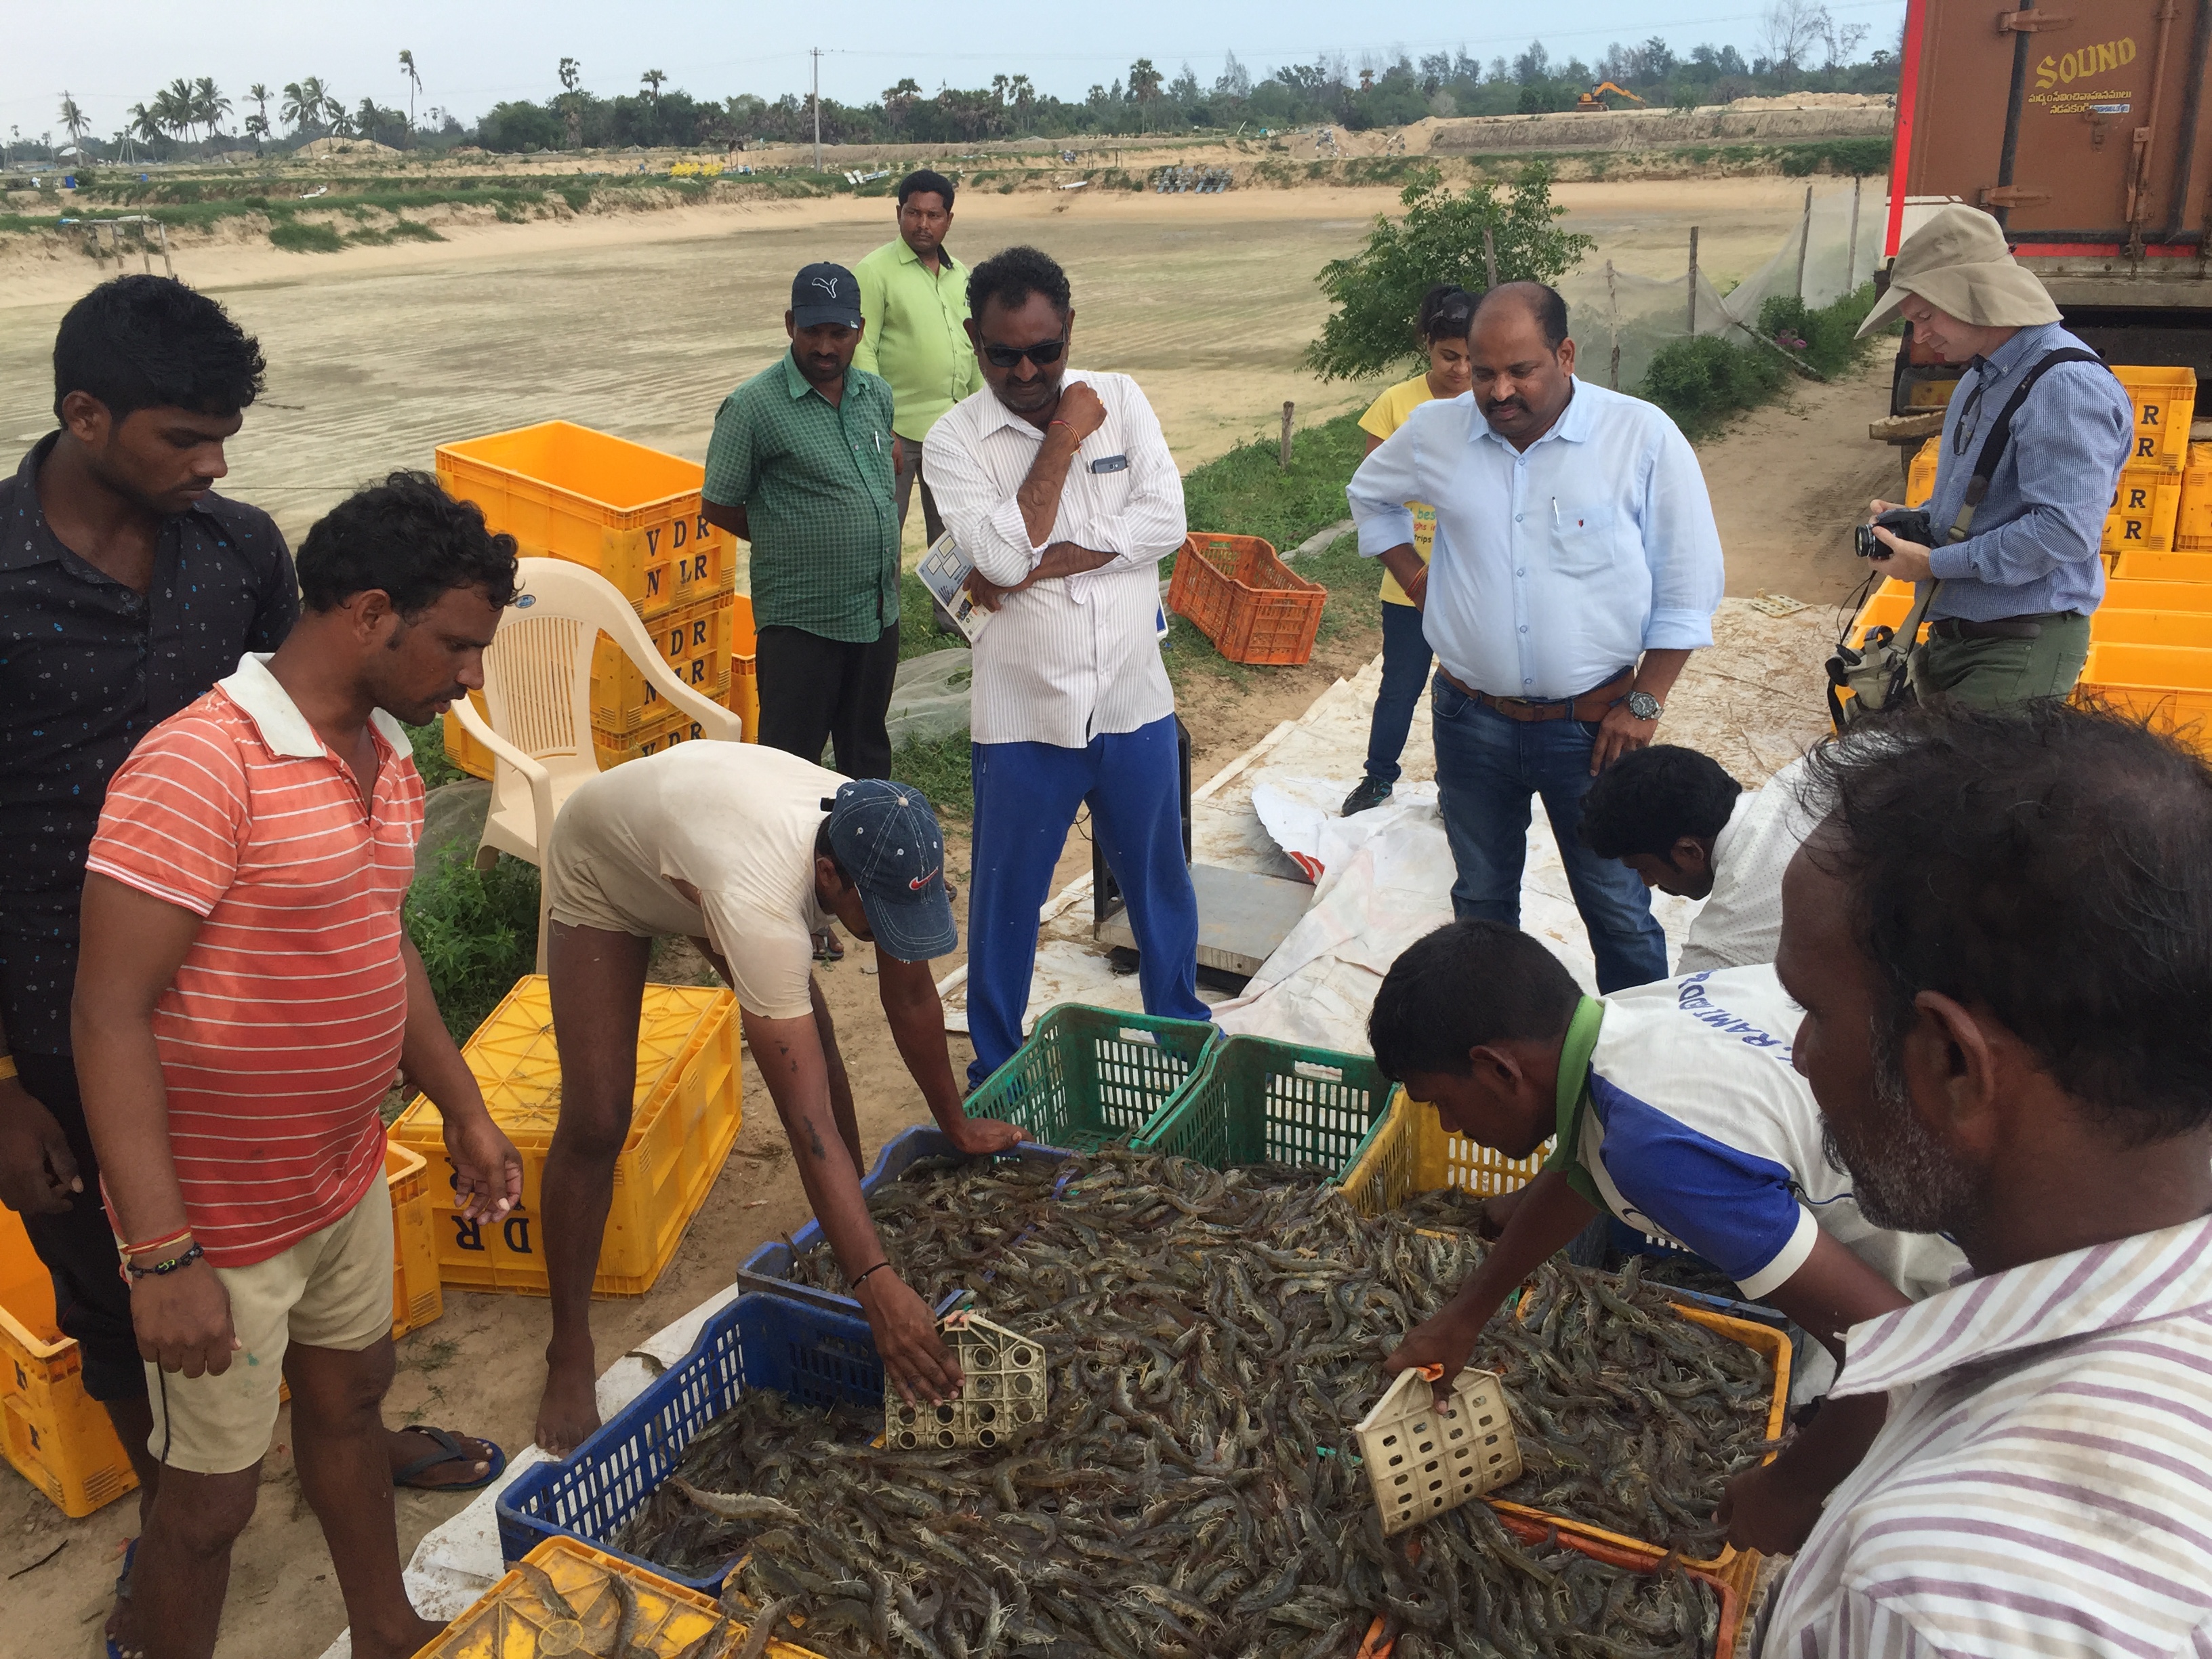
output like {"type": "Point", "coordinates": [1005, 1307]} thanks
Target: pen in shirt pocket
{"type": "Point", "coordinates": [1555, 512]}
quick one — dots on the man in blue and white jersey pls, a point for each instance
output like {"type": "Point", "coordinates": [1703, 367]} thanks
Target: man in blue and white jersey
{"type": "Point", "coordinates": [1675, 1107]}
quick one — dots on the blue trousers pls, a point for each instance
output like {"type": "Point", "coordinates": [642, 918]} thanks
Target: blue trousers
{"type": "Point", "coordinates": [1405, 658]}
{"type": "Point", "coordinates": [1487, 767]}
{"type": "Point", "coordinates": [1026, 794]}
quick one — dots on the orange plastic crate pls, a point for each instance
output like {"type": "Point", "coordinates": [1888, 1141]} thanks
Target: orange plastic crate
{"type": "Point", "coordinates": [633, 513]}
{"type": "Point", "coordinates": [1243, 597]}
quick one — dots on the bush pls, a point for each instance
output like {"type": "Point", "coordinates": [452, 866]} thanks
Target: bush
{"type": "Point", "coordinates": [477, 931]}
{"type": "Point", "coordinates": [432, 763]}
{"type": "Point", "coordinates": [1701, 381]}
{"type": "Point", "coordinates": [296, 238]}
{"type": "Point", "coordinates": [1377, 291]}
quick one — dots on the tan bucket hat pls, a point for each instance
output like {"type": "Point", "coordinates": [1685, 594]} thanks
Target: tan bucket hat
{"type": "Point", "coordinates": [1959, 262]}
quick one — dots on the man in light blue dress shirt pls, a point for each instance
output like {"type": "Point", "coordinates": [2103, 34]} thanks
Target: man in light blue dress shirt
{"type": "Point", "coordinates": [1576, 567]}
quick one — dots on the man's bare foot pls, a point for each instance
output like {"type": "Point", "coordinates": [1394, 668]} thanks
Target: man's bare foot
{"type": "Point", "coordinates": [568, 1410]}
{"type": "Point", "coordinates": [407, 1446]}
{"type": "Point", "coordinates": [404, 1642]}
{"type": "Point", "coordinates": [123, 1618]}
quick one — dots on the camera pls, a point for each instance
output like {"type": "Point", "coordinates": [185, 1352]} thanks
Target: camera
{"type": "Point", "coordinates": [1907, 524]}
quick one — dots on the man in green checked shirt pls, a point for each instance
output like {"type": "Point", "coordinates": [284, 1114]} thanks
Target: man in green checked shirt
{"type": "Point", "coordinates": [801, 465]}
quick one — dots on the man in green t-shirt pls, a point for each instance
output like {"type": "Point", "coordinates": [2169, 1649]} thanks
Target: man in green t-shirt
{"type": "Point", "coordinates": [914, 296]}
{"type": "Point", "coordinates": [801, 465]}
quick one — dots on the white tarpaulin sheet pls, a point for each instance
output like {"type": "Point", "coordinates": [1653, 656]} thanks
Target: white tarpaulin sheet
{"type": "Point", "coordinates": [1386, 880]}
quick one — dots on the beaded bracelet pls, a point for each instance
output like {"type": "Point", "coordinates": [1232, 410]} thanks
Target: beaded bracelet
{"type": "Point", "coordinates": [133, 1273]}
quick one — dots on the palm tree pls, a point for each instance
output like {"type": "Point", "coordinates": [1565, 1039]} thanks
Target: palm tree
{"type": "Point", "coordinates": [73, 119]}
{"type": "Point", "coordinates": [341, 123]}
{"type": "Point", "coordinates": [145, 123]}
{"type": "Point", "coordinates": [414, 83]}
{"type": "Point", "coordinates": [304, 102]}
{"type": "Point", "coordinates": [208, 105]}
{"type": "Point", "coordinates": [172, 108]}
{"type": "Point", "coordinates": [653, 81]}
{"type": "Point", "coordinates": [572, 76]}
{"type": "Point", "coordinates": [257, 129]}
{"type": "Point", "coordinates": [260, 94]}
{"type": "Point", "coordinates": [368, 118]}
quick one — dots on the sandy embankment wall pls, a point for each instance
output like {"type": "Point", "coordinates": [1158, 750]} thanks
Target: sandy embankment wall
{"type": "Point", "coordinates": [1639, 129]}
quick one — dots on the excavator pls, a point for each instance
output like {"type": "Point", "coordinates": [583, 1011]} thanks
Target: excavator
{"type": "Point", "coordinates": [1591, 100]}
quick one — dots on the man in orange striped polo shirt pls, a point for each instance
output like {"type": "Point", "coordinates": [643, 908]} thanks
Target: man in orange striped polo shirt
{"type": "Point", "coordinates": [244, 993]}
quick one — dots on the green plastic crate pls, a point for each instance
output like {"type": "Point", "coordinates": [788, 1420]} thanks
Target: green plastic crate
{"type": "Point", "coordinates": [1260, 1101]}
{"type": "Point", "coordinates": [1088, 1076]}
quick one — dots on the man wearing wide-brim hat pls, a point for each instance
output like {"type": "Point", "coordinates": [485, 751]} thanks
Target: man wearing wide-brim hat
{"type": "Point", "coordinates": [2010, 615]}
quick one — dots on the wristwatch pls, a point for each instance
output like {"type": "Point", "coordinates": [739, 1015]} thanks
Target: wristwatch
{"type": "Point", "coordinates": [1645, 705]}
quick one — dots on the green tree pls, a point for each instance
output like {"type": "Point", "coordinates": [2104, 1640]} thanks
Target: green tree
{"type": "Point", "coordinates": [1377, 292]}
{"type": "Point", "coordinates": [414, 83]}
{"type": "Point", "coordinates": [572, 104]}
{"type": "Point", "coordinates": [1144, 81]}
{"type": "Point", "coordinates": [209, 104]}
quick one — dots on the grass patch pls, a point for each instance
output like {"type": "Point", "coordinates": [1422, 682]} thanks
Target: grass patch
{"type": "Point", "coordinates": [296, 237]}
{"type": "Point", "coordinates": [477, 933]}
{"type": "Point", "coordinates": [432, 763]}
{"type": "Point", "coordinates": [1245, 492]}
{"type": "Point", "coordinates": [918, 635]}
{"type": "Point", "coordinates": [941, 768]}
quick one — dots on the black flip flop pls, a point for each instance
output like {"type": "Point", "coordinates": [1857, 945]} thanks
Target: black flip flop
{"type": "Point", "coordinates": [450, 1450]}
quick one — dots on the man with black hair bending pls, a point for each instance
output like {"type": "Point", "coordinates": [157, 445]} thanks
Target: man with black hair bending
{"type": "Point", "coordinates": [746, 851]}
{"type": "Point", "coordinates": [244, 993]}
{"type": "Point", "coordinates": [1576, 566]}
{"type": "Point", "coordinates": [1060, 487]}
{"type": "Point", "coordinates": [1677, 820]}
{"type": "Point", "coordinates": [1676, 1109]}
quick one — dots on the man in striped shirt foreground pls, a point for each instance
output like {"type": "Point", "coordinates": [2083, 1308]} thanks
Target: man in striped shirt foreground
{"type": "Point", "coordinates": [244, 993]}
{"type": "Point", "coordinates": [2001, 936]}
{"type": "Point", "coordinates": [1061, 488]}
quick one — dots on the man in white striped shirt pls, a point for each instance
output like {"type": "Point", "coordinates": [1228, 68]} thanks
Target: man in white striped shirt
{"type": "Point", "coordinates": [1061, 489]}
{"type": "Point", "coordinates": [2001, 936]}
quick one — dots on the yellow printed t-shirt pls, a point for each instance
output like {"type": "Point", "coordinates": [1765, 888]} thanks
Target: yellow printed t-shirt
{"type": "Point", "coordinates": [1384, 416]}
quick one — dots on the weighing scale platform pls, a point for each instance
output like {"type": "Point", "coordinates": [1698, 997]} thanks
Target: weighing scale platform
{"type": "Point", "coordinates": [1241, 918]}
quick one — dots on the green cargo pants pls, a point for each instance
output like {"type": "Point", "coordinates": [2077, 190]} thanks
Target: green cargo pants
{"type": "Point", "coordinates": [2004, 674]}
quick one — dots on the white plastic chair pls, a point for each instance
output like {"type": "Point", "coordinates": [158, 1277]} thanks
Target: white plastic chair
{"type": "Point", "coordinates": [538, 685]}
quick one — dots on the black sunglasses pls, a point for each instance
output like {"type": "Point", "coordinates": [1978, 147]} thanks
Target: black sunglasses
{"type": "Point", "coordinates": [1043, 352]}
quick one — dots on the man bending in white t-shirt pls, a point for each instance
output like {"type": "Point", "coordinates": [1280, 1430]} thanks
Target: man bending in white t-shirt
{"type": "Point", "coordinates": [1677, 1108]}
{"type": "Point", "coordinates": [748, 852]}
{"type": "Point", "coordinates": [1677, 819]}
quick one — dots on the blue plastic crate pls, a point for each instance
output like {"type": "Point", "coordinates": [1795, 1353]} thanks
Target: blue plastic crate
{"type": "Point", "coordinates": [813, 1355]}
{"type": "Point", "coordinates": [769, 1268]}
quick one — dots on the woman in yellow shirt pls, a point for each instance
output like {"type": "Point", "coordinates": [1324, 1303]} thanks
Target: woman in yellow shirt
{"type": "Point", "coordinates": [1446, 315]}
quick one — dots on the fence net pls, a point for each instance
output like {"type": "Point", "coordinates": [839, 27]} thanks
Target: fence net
{"type": "Point", "coordinates": [1612, 310]}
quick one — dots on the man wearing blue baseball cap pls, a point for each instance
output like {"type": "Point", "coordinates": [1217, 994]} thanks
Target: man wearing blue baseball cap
{"type": "Point", "coordinates": [748, 852]}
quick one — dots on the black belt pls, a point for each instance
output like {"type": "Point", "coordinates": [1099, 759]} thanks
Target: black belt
{"type": "Point", "coordinates": [1999, 628]}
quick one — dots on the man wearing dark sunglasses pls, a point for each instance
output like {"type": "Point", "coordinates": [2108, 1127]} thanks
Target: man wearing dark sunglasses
{"type": "Point", "coordinates": [2016, 574]}
{"type": "Point", "coordinates": [1059, 487]}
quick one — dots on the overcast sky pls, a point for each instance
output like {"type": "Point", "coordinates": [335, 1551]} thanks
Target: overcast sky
{"type": "Point", "coordinates": [470, 55]}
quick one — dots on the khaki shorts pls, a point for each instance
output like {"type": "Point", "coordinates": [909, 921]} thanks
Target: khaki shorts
{"type": "Point", "coordinates": [332, 1290]}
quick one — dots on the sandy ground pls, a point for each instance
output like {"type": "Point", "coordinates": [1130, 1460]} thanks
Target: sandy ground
{"type": "Point", "coordinates": [639, 324]}
{"type": "Point", "coordinates": [378, 354]}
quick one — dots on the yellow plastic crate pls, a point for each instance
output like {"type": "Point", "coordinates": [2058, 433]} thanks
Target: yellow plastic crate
{"type": "Point", "coordinates": [2114, 625]}
{"type": "Point", "coordinates": [2164, 399]}
{"type": "Point", "coordinates": [2192, 527]}
{"type": "Point", "coordinates": [418, 1297]}
{"type": "Point", "coordinates": [1409, 1150]}
{"type": "Point", "coordinates": [1920, 477]}
{"type": "Point", "coordinates": [2150, 567]}
{"type": "Point", "coordinates": [693, 643]}
{"type": "Point", "coordinates": [673, 727]}
{"type": "Point", "coordinates": [57, 1437]}
{"type": "Point", "coordinates": [508, 1621]}
{"type": "Point", "coordinates": [2145, 506]}
{"type": "Point", "coordinates": [683, 1120]}
{"type": "Point", "coordinates": [632, 514]}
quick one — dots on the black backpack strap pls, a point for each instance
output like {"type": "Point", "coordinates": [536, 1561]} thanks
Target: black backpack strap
{"type": "Point", "coordinates": [1993, 448]}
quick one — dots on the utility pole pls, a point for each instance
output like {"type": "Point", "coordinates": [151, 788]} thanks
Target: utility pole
{"type": "Point", "coordinates": [817, 55]}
